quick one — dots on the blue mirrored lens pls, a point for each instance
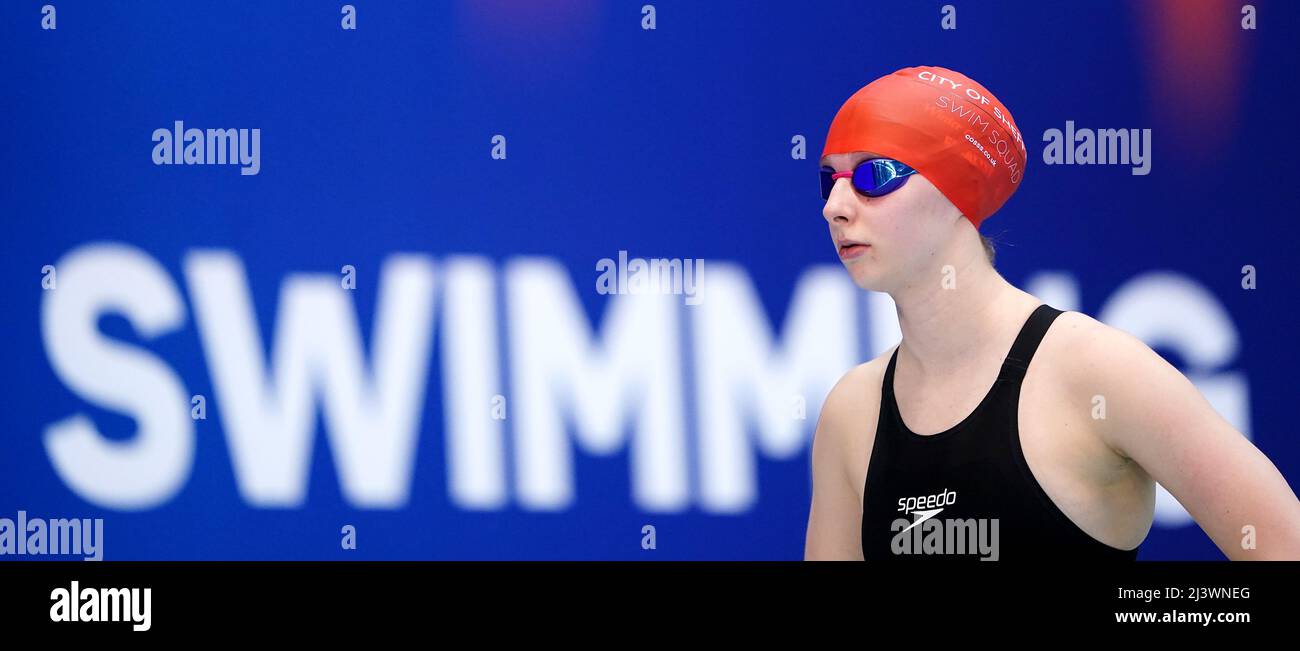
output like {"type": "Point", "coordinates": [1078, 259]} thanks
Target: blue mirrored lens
{"type": "Point", "coordinates": [827, 183]}
{"type": "Point", "coordinates": [874, 177]}
{"type": "Point", "coordinates": [880, 176]}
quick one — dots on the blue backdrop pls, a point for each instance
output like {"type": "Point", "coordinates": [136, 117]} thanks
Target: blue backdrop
{"type": "Point", "coordinates": [486, 155]}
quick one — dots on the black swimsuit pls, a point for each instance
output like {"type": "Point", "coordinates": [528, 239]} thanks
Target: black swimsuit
{"type": "Point", "coordinates": [967, 492]}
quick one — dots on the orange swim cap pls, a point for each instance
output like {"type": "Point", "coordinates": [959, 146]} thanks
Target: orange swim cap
{"type": "Point", "coordinates": [944, 125]}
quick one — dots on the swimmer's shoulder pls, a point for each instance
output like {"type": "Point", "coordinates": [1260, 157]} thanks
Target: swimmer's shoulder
{"type": "Point", "coordinates": [1083, 350]}
{"type": "Point", "coordinates": [851, 409]}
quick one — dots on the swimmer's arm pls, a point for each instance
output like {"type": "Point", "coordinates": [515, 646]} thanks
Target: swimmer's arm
{"type": "Point", "coordinates": [1156, 416]}
{"type": "Point", "coordinates": [835, 517]}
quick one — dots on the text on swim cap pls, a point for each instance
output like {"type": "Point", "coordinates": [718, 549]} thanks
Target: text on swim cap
{"type": "Point", "coordinates": [974, 94]}
{"type": "Point", "coordinates": [998, 142]}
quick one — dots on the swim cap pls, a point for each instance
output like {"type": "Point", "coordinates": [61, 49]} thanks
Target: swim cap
{"type": "Point", "coordinates": [944, 125]}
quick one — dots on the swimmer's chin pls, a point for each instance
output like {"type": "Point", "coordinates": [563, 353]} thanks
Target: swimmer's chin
{"type": "Point", "coordinates": [865, 280]}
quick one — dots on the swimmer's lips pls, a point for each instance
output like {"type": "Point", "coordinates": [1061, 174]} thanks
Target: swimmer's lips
{"type": "Point", "coordinates": [850, 249]}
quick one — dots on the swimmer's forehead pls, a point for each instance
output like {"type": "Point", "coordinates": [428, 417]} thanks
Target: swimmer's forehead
{"type": "Point", "coordinates": [848, 159]}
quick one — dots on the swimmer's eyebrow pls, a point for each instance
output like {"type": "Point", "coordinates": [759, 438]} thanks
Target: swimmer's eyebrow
{"type": "Point", "coordinates": [855, 158]}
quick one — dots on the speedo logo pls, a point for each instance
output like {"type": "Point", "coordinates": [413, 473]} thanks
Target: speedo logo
{"type": "Point", "coordinates": [943, 536]}
{"type": "Point", "coordinates": [926, 506]}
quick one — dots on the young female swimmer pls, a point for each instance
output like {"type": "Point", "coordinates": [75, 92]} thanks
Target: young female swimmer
{"type": "Point", "coordinates": [953, 444]}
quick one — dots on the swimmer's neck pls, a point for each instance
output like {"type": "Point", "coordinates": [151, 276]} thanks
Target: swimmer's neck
{"type": "Point", "coordinates": [965, 316]}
